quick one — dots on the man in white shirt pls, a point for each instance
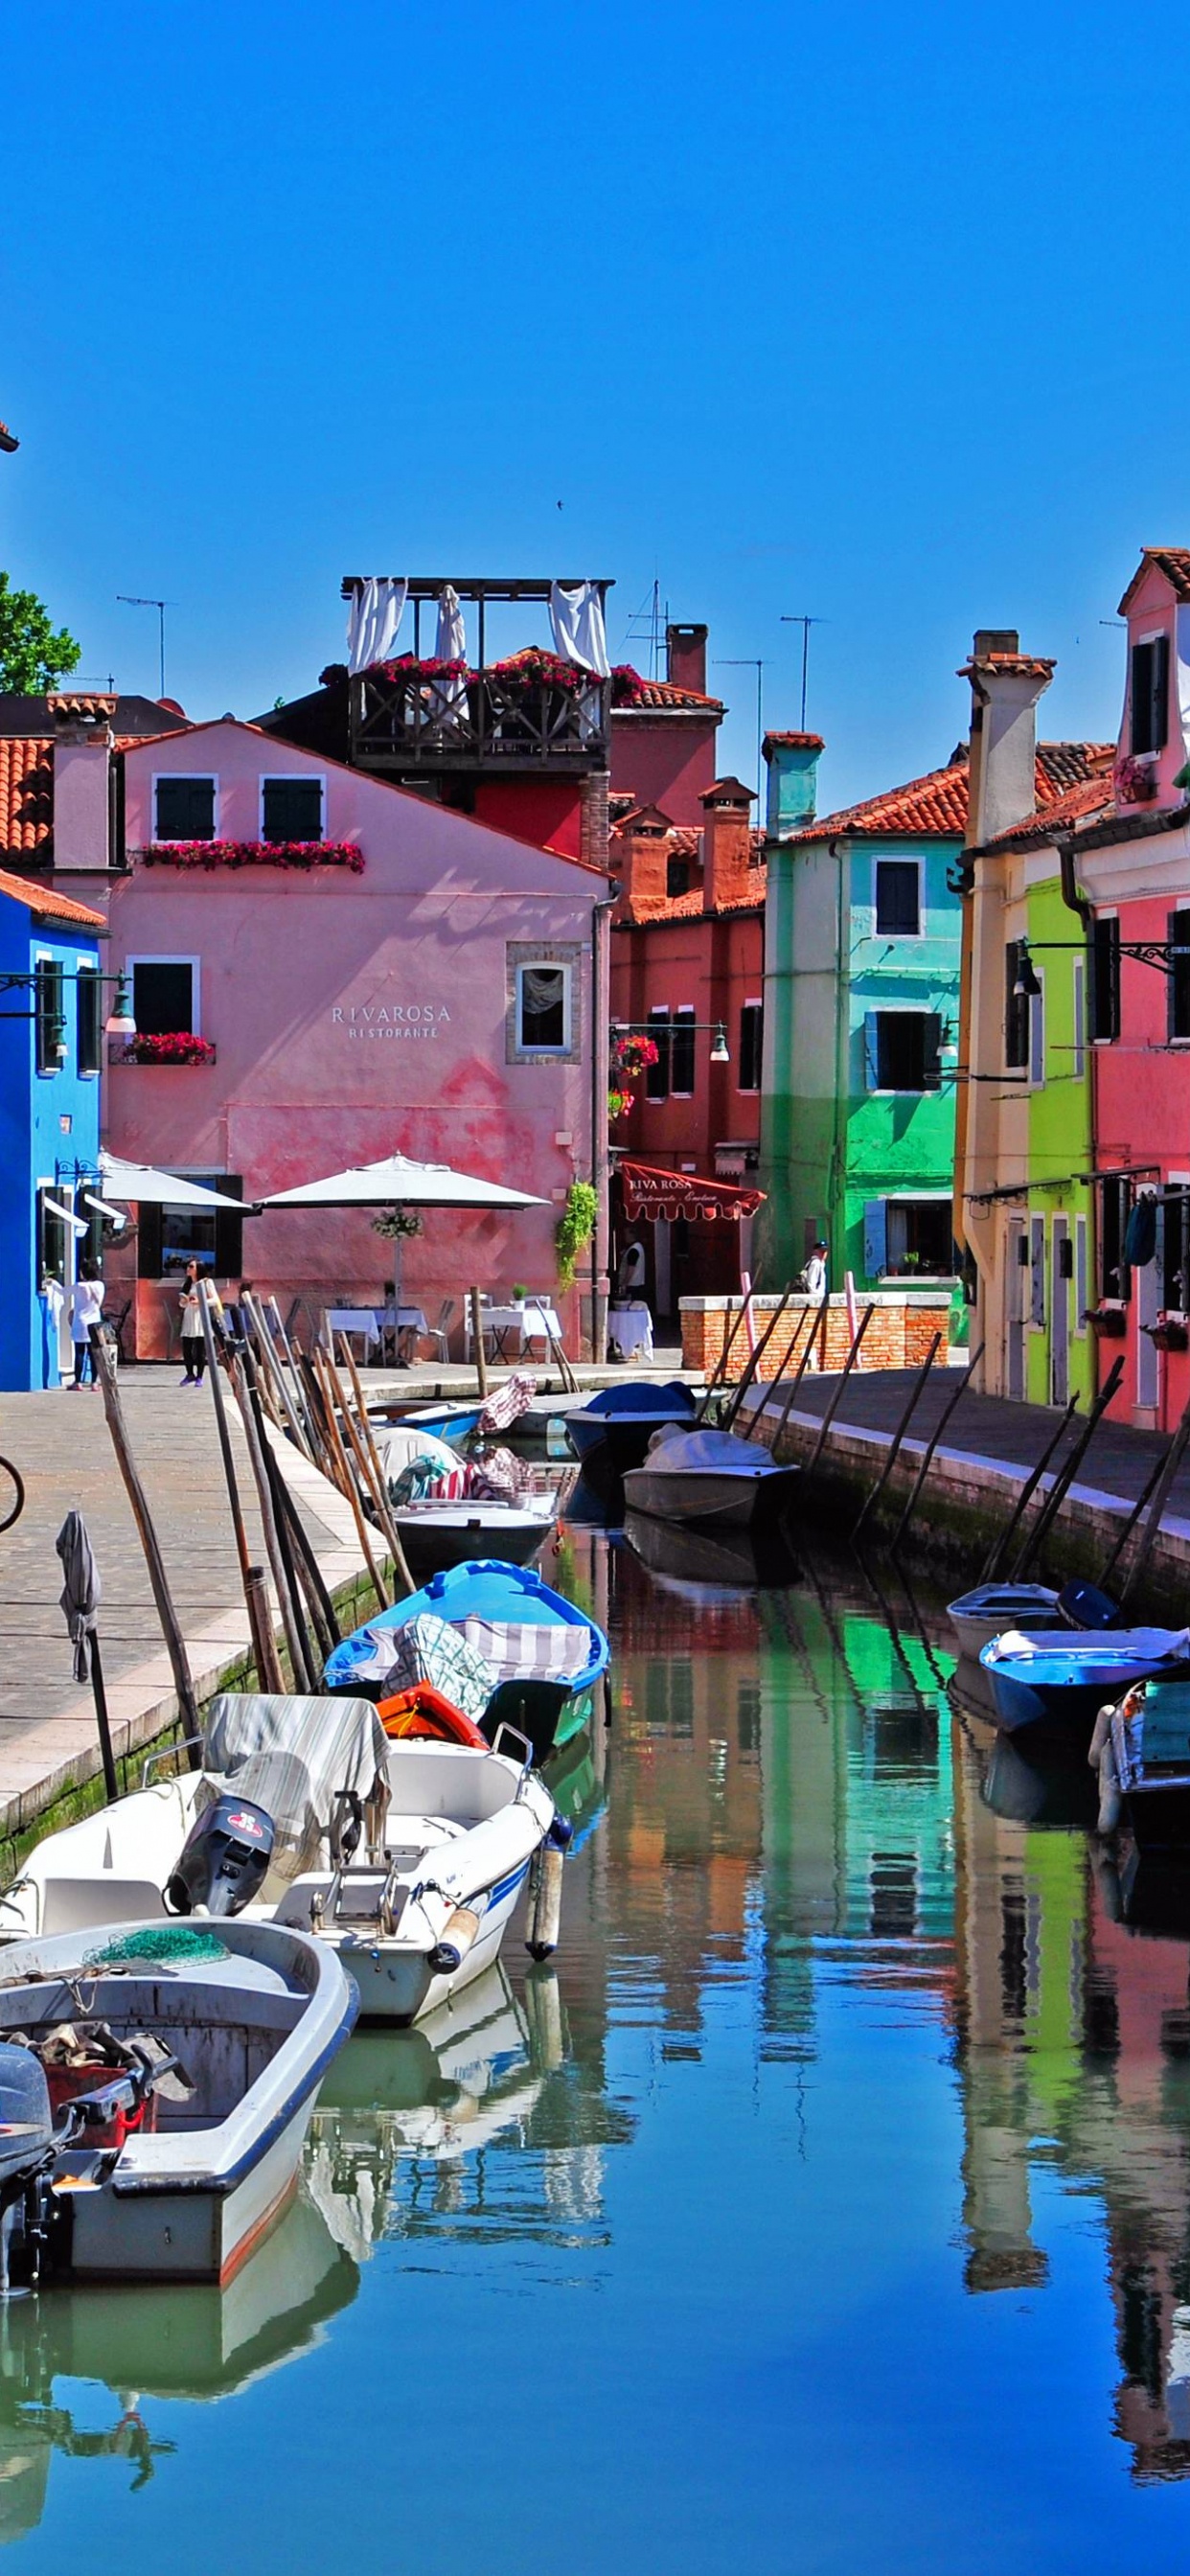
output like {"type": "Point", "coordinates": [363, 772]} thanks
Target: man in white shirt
{"type": "Point", "coordinates": [84, 1307]}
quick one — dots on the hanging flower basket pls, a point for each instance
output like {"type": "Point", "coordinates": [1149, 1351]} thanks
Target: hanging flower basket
{"type": "Point", "coordinates": [303, 855]}
{"type": "Point", "coordinates": [534, 670]}
{"type": "Point", "coordinates": [1169, 1333]}
{"type": "Point", "coordinates": [1109, 1322]}
{"type": "Point", "coordinates": [1135, 781]}
{"type": "Point", "coordinates": [397, 1224]}
{"type": "Point", "coordinates": [181, 1046]}
{"type": "Point", "coordinates": [633, 1055]}
{"type": "Point", "coordinates": [411, 666]}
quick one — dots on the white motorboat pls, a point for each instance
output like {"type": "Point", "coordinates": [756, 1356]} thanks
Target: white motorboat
{"type": "Point", "coordinates": [978, 1616]}
{"type": "Point", "coordinates": [405, 1857]}
{"type": "Point", "coordinates": [436, 1534]}
{"type": "Point", "coordinates": [711, 1478]}
{"type": "Point", "coordinates": [154, 2107]}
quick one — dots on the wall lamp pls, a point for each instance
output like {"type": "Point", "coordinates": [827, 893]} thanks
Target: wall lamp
{"type": "Point", "coordinates": [118, 1024]}
{"type": "Point", "coordinates": [715, 1029]}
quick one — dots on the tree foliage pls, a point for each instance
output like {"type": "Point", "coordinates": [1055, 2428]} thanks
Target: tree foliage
{"type": "Point", "coordinates": [34, 655]}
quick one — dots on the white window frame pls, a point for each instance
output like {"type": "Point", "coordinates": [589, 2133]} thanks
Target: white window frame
{"type": "Point", "coordinates": [754, 1002]}
{"type": "Point", "coordinates": [287, 778]}
{"type": "Point", "coordinates": [170, 957]}
{"type": "Point", "coordinates": [1082, 1275]}
{"type": "Point", "coordinates": [889, 859]}
{"type": "Point", "coordinates": [1078, 1005]}
{"type": "Point", "coordinates": [1036, 1066]}
{"type": "Point", "coordinates": [535, 966]}
{"type": "Point", "coordinates": [1037, 1239]}
{"type": "Point", "coordinates": [87, 966]}
{"type": "Point", "coordinates": [46, 957]}
{"type": "Point", "coordinates": [679, 1012]}
{"type": "Point", "coordinates": [164, 775]}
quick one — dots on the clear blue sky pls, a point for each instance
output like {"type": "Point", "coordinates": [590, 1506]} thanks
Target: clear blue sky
{"type": "Point", "coordinates": [877, 312]}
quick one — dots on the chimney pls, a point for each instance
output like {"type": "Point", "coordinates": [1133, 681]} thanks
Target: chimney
{"type": "Point", "coordinates": [83, 746]}
{"type": "Point", "coordinates": [640, 860]}
{"type": "Point", "coordinates": [727, 843]}
{"type": "Point", "coordinates": [792, 795]}
{"type": "Point", "coordinates": [1005, 687]}
{"type": "Point", "coordinates": [686, 657]}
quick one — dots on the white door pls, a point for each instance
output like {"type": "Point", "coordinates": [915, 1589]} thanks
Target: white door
{"type": "Point", "coordinates": [1060, 1286]}
{"type": "Point", "coordinates": [1014, 1309]}
{"type": "Point", "coordinates": [1146, 1302]}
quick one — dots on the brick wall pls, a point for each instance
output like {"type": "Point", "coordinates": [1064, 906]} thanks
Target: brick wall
{"type": "Point", "coordinates": [898, 1336]}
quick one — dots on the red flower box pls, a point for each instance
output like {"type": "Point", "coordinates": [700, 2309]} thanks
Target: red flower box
{"type": "Point", "coordinates": [255, 854]}
{"type": "Point", "coordinates": [179, 1046]}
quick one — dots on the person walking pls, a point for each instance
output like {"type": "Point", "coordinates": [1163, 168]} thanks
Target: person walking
{"type": "Point", "coordinates": [813, 1284]}
{"type": "Point", "coordinates": [194, 1348]}
{"type": "Point", "coordinates": [84, 1307]}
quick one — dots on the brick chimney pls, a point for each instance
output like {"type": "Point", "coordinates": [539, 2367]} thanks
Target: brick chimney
{"type": "Point", "coordinates": [83, 746]}
{"type": "Point", "coordinates": [727, 843]}
{"type": "Point", "coordinates": [640, 860]}
{"type": "Point", "coordinates": [792, 795]}
{"type": "Point", "coordinates": [686, 651]}
{"type": "Point", "coordinates": [1005, 687]}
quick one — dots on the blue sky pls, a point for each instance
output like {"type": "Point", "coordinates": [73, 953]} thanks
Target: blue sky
{"type": "Point", "coordinates": [875, 312]}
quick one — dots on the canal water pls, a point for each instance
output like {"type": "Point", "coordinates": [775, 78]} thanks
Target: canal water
{"type": "Point", "coordinates": [826, 2207]}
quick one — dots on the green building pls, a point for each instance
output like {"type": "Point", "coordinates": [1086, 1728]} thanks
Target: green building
{"type": "Point", "coordinates": [863, 932]}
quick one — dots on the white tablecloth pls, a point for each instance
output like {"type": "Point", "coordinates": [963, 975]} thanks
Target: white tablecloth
{"type": "Point", "coordinates": [534, 1321]}
{"type": "Point", "coordinates": [630, 1330]}
{"type": "Point", "coordinates": [371, 1321]}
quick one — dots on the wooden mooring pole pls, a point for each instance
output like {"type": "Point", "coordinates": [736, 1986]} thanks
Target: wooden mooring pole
{"type": "Point", "coordinates": [104, 1362]}
{"type": "Point", "coordinates": [1066, 1474]}
{"type": "Point", "coordinates": [918, 1486]}
{"type": "Point", "coordinates": [1161, 1491]}
{"type": "Point", "coordinates": [837, 1397]}
{"type": "Point", "coordinates": [999, 1547]}
{"type": "Point", "coordinates": [894, 1447]}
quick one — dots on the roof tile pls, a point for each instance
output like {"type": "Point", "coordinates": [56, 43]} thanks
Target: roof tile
{"type": "Point", "coordinates": [46, 904]}
{"type": "Point", "coordinates": [937, 803]}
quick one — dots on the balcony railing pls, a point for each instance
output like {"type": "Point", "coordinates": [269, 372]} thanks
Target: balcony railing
{"type": "Point", "coordinates": [402, 719]}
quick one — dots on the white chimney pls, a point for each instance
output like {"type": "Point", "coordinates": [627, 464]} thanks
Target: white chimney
{"type": "Point", "coordinates": [83, 746]}
{"type": "Point", "coordinates": [1005, 687]}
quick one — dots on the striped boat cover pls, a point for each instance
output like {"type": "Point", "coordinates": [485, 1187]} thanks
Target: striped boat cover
{"type": "Point", "coordinates": [427, 1649]}
{"type": "Point", "coordinates": [506, 1404]}
{"type": "Point", "coordinates": [516, 1652]}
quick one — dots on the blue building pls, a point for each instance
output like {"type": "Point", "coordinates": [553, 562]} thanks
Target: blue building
{"type": "Point", "coordinates": [51, 1041]}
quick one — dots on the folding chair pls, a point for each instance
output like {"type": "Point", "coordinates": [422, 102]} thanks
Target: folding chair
{"type": "Point", "coordinates": [439, 1333]}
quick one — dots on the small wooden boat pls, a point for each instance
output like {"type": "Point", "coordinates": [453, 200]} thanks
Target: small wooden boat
{"type": "Point", "coordinates": [540, 1656]}
{"type": "Point", "coordinates": [710, 1478]}
{"type": "Point", "coordinates": [404, 1855]}
{"type": "Point", "coordinates": [1143, 1751]}
{"type": "Point", "coordinates": [1057, 1683]}
{"type": "Point", "coordinates": [153, 2110]}
{"type": "Point", "coordinates": [436, 1535]}
{"type": "Point", "coordinates": [978, 1616]}
{"type": "Point", "coordinates": [622, 1420]}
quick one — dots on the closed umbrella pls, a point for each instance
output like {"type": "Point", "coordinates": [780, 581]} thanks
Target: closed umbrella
{"type": "Point", "coordinates": [80, 1597]}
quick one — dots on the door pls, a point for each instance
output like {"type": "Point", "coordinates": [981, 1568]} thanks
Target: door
{"type": "Point", "coordinates": [662, 1287]}
{"type": "Point", "coordinates": [1060, 1285]}
{"type": "Point", "coordinates": [1014, 1310]}
{"type": "Point", "coordinates": [1146, 1304]}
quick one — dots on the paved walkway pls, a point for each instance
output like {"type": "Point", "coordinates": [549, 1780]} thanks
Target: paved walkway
{"type": "Point", "coordinates": [1118, 1461]}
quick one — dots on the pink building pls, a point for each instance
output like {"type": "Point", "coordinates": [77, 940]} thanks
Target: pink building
{"type": "Point", "coordinates": [363, 971]}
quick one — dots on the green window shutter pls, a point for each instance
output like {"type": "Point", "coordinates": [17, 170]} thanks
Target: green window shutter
{"type": "Point", "coordinates": [185, 809]}
{"type": "Point", "coordinates": [871, 1050]}
{"type": "Point", "coordinates": [875, 1237]}
{"type": "Point", "coordinates": [292, 809]}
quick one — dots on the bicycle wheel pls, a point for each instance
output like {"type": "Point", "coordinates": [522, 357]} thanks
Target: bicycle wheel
{"type": "Point", "coordinates": [8, 1475]}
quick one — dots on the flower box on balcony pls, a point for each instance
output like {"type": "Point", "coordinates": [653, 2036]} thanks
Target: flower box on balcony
{"type": "Point", "coordinates": [179, 1047]}
{"type": "Point", "coordinates": [300, 855]}
{"type": "Point", "coordinates": [1169, 1333]}
{"type": "Point", "coordinates": [1110, 1322]}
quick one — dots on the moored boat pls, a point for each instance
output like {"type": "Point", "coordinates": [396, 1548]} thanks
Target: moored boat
{"type": "Point", "coordinates": [711, 1478]}
{"type": "Point", "coordinates": [622, 1420]}
{"type": "Point", "coordinates": [991, 1608]}
{"type": "Point", "coordinates": [153, 2109]}
{"type": "Point", "coordinates": [436, 1534]}
{"type": "Point", "coordinates": [1143, 1751]}
{"type": "Point", "coordinates": [1057, 1683]}
{"type": "Point", "coordinates": [539, 1655]}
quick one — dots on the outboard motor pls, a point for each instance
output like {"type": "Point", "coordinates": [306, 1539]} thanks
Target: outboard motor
{"type": "Point", "coordinates": [26, 2154]}
{"type": "Point", "coordinates": [224, 1860]}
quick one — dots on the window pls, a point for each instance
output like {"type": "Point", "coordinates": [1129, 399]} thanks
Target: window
{"type": "Point", "coordinates": [543, 1008]}
{"type": "Point", "coordinates": [677, 876]}
{"type": "Point", "coordinates": [185, 809]}
{"type": "Point", "coordinates": [1105, 978]}
{"type": "Point", "coordinates": [90, 1019]}
{"type": "Point", "coordinates": [1036, 1008]}
{"type": "Point", "coordinates": [167, 1238]}
{"type": "Point", "coordinates": [1016, 1009]}
{"type": "Point", "coordinates": [1037, 1273]}
{"type": "Point", "coordinates": [1175, 1267]}
{"type": "Point", "coordinates": [164, 996]}
{"type": "Point", "coordinates": [1079, 1012]}
{"type": "Point", "coordinates": [898, 897]}
{"type": "Point", "coordinates": [1150, 694]}
{"type": "Point", "coordinates": [1115, 1280]}
{"type": "Point", "coordinates": [681, 1062]}
{"type": "Point", "coordinates": [657, 1075]}
{"type": "Point", "coordinates": [291, 809]}
{"type": "Point", "coordinates": [49, 1021]}
{"type": "Point", "coordinates": [917, 1238]}
{"type": "Point", "coordinates": [751, 1046]}
{"type": "Point", "coordinates": [903, 1050]}
{"type": "Point", "coordinates": [51, 1239]}
{"type": "Point", "coordinates": [1080, 1273]}
{"type": "Point", "coordinates": [1177, 931]}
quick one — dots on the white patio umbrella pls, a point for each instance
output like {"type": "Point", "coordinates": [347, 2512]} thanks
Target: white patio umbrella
{"type": "Point", "coordinates": [398, 1181]}
{"type": "Point", "coordinates": [151, 1188]}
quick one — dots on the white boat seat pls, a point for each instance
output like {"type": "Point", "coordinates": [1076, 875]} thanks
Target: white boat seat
{"type": "Point", "coordinates": [75, 1904]}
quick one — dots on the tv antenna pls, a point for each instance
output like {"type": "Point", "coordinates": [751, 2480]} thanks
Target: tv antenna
{"type": "Point", "coordinates": [128, 600]}
{"type": "Point", "coordinates": [648, 624]}
{"type": "Point", "coordinates": [805, 623]}
{"type": "Point", "coordinates": [752, 662]}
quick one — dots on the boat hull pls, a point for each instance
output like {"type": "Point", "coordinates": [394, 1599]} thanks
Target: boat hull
{"type": "Point", "coordinates": [623, 1437]}
{"type": "Point", "coordinates": [979, 1616]}
{"type": "Point", "coordinates": [1034, 1694]}
{"type": "Point", "coordinates": [435, 1539]}
{"type": "Point", "coordinates": [1158, 1812]}
{"type": "Point", "coordinates": [398, 1985]}
{"type": "Point", "coordinates": [708, 1499]}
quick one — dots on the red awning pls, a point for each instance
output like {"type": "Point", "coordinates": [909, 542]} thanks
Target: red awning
{"type": "Point", "coordinates": [648, 1192]}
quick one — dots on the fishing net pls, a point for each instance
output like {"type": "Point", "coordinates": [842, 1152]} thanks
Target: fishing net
{"type": "Point", "coordinates": [160, 1941]}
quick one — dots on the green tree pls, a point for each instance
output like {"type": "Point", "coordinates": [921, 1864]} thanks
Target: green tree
{"type": "Point", "coordinates": [32, 656]}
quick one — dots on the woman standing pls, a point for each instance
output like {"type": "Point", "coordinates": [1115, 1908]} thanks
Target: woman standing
{"type": "Point", "coordinates": [84, 1308]}
{"type": "Point", "coordinates": [194, 1348]}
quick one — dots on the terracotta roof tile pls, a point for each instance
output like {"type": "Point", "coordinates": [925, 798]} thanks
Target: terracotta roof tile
{"type": "Point", "coordinates": [26, 793]}
{"type": "Point", "coordinates": [661, 697]}
{"type": "Point", "coordinates": [46, 904]}
{"type": "Point", "coordinates": [804, 741]}
{"type": "Point", "coordinates": [1173, 561]}
{"type": "Point", "coordinates": [1015, 666]}
{"type": "Point", "coordinates": [1090, 801]}
{"type": "Point", "coordinates": [937, 803]}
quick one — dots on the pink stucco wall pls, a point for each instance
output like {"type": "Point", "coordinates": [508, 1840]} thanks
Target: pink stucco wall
{"type": "Point", "coordinates": [668, 761]}
{"type": "Point", "coordinates": [357, 1015]}
{"type": "Point", "coordinates": [1152, 610]}
{"type": "Point", "coordinates": [1141, 1090]}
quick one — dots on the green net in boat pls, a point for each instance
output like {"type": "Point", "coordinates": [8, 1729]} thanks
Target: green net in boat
{"type": "Point", "coordinates": [162, 1941]}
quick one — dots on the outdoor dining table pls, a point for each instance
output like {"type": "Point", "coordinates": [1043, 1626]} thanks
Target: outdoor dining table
{"type": "Point", "coordinates": [630, 1330]}
{"type": "Point", "coordinates": [371, 1322]}
{"type": "Point", "coordinates": [531, 1319]}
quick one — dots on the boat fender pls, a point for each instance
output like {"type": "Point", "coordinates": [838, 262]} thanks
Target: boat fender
{"type": "Point", "coordinates": [458, 1937]}
{"type": "Point", "coordinates": [545, 1916]}
{"type": "Point", "coordinates": [561, 1832]}
{"type": "Point", "coordinates": [1102, 1758]}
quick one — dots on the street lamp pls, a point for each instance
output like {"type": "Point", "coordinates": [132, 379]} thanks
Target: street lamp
{"type": "Point", "coordinates": [120, 1022]}
{"type": "Point", "coordinates": [716, 1030]}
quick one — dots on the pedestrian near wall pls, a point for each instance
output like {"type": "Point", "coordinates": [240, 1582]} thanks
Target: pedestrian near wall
{"type": "Point", "coordinates": [194, 1349]}
{"type": "Point", "coordinates": [84, 1307]}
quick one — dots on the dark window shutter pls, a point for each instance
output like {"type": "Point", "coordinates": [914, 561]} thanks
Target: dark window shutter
{"type": "Point", "coordinates": [1105, 980]}
{"type": "Point", "coordinates": [185, 809]}
{"type": "Point", "coordinates": [1016, 1009]}
{"type": "Point", "coordinates": [292, 809]}
{"type": "Point", "coordinates": [897, 897]}
{"type": "Point", "coordinates": [229, 1229]}
{"type": "Point", "coordinates": [148, 1242]}
{"type": "Point", "coordinates": [1159, 708]}
{"type": "Point", "coordinates": [1177, 931]}
{"type": "Point", "coordinates": [88, 989]}
{"type": "Point", "coordinates": [932, 1051]}
{"type": "Point", "coordinates": [163, 997]}
{"type": "Point", "coordinates": [681, 1074]}
{"type": "Point", "coordinates": [657, 1075]}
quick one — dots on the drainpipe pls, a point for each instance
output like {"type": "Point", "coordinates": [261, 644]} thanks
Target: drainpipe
{"type": "Point", "coordinates": [601, 1009]}
{"type": "Point", "coordinates": [1074, 901]}
{"type": "Point", "coordinates": [836, 1208]}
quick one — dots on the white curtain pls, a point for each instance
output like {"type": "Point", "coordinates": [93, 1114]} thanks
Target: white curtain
{"type": "Point", "coordinates": [1183, 644]}
{"type": "Point", "coordinates": [576, 616]}
{"type": "Point", "coordinates": [374, 622]}
{"type": "Point", "coordinates": [450, 645]}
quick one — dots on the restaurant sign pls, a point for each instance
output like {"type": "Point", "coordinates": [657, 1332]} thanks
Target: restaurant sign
{"type": "Point", "coordinates": [389, 1019]}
